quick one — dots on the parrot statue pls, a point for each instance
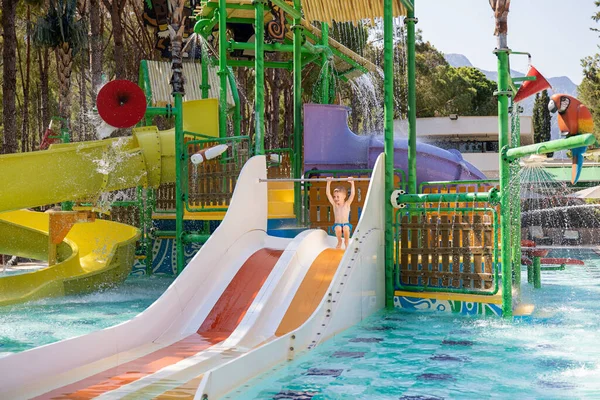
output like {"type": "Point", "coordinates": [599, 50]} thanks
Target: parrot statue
{"type": "Point", "coordinates": [573, 119]}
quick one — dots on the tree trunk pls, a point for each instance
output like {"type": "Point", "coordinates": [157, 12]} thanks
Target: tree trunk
{"type": "Point", "coordinates": [44, 67]}
{"type": "Point", "coordinates": [64, 63]}
{"type": "Point", "coordinates": [9, 73]}
{"type": "Point", "coordinates": [25, 128]}
{"type": "Point", "coordinates": [95, 47]}
{"type": "Point", "coordinates": [116, 8]}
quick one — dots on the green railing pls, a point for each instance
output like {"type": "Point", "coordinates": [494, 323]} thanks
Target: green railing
{"type": "Point", "coordinates": [447, 184]}
{"type": "Point", "coordinates": [213, 181]}
{"type": "Point", "coordinates": [436, 264]}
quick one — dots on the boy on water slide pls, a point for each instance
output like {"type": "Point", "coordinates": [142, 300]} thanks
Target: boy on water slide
{"type": "Point", "coordinates": [341, 210]}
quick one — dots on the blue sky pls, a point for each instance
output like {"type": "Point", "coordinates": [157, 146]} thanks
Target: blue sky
{"type": "Point", "coordinates": [555, 32]}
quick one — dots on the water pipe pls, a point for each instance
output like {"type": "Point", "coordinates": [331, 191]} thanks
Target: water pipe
{"type": "Point", "coordinates": [399, 197]}
{"type": "Point", "coordinates": [195, 238]}
{"type": "Point", "coordinates": [548, 147]}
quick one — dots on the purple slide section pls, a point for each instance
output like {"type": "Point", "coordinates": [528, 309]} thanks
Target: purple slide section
{"type": "Point", "coordinates": [330, 144]}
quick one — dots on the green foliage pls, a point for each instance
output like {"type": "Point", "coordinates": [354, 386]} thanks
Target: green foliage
{"type": "Point", "coordinates": [61, 25]}
{"type": "Point", "coordinates": [589, 89]}
{"type": "Point", "coordinates": [542, 120]}
{"type": "Point", "coordinates": [444, 90]}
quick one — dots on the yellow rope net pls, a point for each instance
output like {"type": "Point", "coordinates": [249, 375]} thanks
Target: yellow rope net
{"type": "Point", "coordinates": [347, 10]}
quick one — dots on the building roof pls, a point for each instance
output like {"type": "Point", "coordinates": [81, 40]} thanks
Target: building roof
{"type": "Point", "coordinates": [463, 128]}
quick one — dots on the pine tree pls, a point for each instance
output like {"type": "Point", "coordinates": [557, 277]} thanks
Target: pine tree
{"type": "Point", "coordinates": [541, 118]}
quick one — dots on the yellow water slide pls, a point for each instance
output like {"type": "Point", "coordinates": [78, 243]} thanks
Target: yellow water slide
{"type": "Point", "coordinates": [94, 254]}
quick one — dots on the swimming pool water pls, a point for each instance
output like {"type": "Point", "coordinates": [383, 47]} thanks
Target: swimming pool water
{"type": "Point", "coordinates": [553, 354]}
{"type": "Point", "coordinates": [28, 325]}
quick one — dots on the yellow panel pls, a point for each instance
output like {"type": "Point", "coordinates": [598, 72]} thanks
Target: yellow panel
{"type": "Point", "coordinates": [201, 116]}
{"type": "Point", "coordinates": [496, 299]}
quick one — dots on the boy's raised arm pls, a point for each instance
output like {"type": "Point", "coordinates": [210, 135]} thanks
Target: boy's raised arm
{"type": "Point", "coordinates": [352, 190]}
{"type": "Point", "coordinates": [328, 190]}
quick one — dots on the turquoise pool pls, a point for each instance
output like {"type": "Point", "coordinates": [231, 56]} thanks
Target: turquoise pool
{"type": "Point", "coordinates": [40, 322]}
{"type": "Point", "coordinates": [553, 354]}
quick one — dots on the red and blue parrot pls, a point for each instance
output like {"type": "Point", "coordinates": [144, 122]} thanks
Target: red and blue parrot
{"type": "Point", "coordinates": [573, 119]}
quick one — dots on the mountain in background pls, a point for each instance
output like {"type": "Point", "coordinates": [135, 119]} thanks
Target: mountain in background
{"type": "Point", "coordinates": [560, 84]}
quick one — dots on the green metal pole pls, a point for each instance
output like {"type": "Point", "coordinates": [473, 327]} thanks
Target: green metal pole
{"type": "Point", "coordinates": [325, 60]}
{"type": "Point", "coordinates": [516, 199]}
{"type": "Point", "coordinates": [205, 85]}
{"type": "Point", "coordinates": [503, 129]}
{"type": "Point", "coordinates": [181, 179]}
{"type": "Point", "coordinates": [537, 273]}
{"type": "Point", "coordinates": [237, 113]}
{"type": "Point", "coordinates": [259, 88]}
{"type": "Point", "coordinates": [411, 21]}
{"type": "Point", "coordinates": [149, 206]}
{"type": "Point", "coordinates": [388, 43]}
{"type": "Point", "coordinates": [223, 67]}
{"type": "Point", "coordinates": [298, 152]}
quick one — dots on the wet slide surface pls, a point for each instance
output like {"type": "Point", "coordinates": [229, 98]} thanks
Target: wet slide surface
{"type": "Point", "coordinates": [308, 297]}
{"type": "Point", "coordinates": [311, 290]}
{"type": "Point", "coordinates": [218, 325]}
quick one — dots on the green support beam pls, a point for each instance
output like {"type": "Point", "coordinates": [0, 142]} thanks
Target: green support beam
{"type": "Point", "coordinates": [180, 180]}
{"type": "Point", "coordinates": [291, 10]}
{"type": "Point", "coordinates": [325, 61]}
{"type": "Point", "coordinates": [237, 112]}
{"type": "Point", "coordinates": [410, 22]}
{"type": "Point", "coordinates": [204, 85]}
{"type": "Point", "coordinates": [388, 44]}
{"type": "Point", "coordinates": [587, 139]}
{"type": "Point", "coordinates": [298, 65]}
{"type": "Point", "coordinates": [268, 64]}
{"type": "Point", "coordinates": [259, 70]}
{"type": "Point", "coordinates": [503, 142]}
{"type": "Point", "coordinates": [274, 47]}
{"type": "Point", "coordinates": [223, 72]}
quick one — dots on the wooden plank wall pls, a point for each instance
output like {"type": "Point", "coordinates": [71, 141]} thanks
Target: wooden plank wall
{"type": "Point", "coordinates": [281, 170]}
{"type": "Point", "coordinates": [447, 251]}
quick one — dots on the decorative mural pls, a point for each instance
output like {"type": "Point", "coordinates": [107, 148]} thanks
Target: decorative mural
{"type": "Point", "coordinates": [452, 306]}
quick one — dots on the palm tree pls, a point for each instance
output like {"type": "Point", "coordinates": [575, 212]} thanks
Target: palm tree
{"type": "Point", "coordinates": [61, 30]}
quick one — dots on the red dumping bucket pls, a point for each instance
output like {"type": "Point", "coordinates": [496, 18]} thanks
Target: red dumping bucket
{"type": "Point", "coordinates": [121, 103]}
{"type": "Point", "coordinates": [530, 88]}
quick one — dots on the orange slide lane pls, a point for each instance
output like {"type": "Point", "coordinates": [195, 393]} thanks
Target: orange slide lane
{"type": "Point", "coordinates": [222, 320]}
{"type": "Point", "coordinates": [305, 302]}
{"type": "Point", "coordinates": [311, 290]}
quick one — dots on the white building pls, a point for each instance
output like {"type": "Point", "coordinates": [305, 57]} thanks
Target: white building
{"type": "Point", "coordinates": [475, 137]}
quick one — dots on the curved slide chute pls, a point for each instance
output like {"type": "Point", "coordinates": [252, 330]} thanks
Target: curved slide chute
{"type": "Point", "coordinates": [330, 144]}
{"type": "Point", "coordinates": [93, 256]}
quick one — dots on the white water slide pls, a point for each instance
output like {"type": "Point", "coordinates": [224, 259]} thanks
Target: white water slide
{"type": "Point", "coordinates": [246, 299]}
